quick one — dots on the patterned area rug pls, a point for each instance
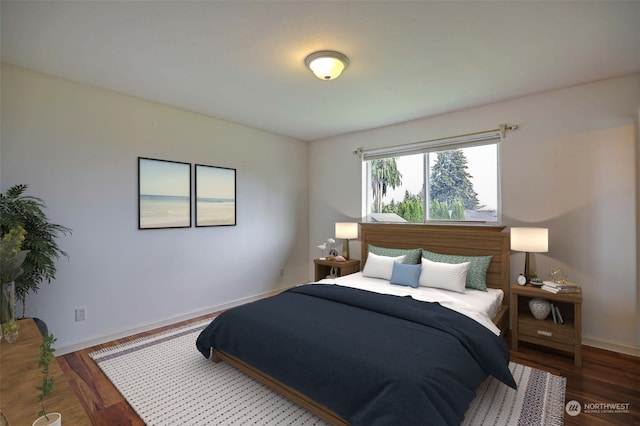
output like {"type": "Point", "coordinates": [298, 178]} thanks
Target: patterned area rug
{"type": "Point", "coordinates": [168, 382]}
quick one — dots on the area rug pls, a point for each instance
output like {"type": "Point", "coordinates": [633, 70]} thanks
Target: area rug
{"type": "Point", "coordinates": [168, 382]}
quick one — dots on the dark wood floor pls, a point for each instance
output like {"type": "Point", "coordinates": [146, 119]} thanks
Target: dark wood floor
{"type": "Point", "coordinates": [605, 378]}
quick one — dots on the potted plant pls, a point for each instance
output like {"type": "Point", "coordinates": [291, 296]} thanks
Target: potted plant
{"type": "Point", "coordinates": [46, 356]}
{"type": "Point", "coordinates": [10, 330]}
{"type": "Point", "coordinates": [11, 259]}
{"type": "Point", "coordinates": [18, 209]}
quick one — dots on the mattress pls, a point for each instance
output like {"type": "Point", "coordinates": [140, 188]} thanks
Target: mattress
{"type": "Point", "coordinates": [480, 306]}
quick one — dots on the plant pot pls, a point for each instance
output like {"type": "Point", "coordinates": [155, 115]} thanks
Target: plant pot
{"type": "Point", "coordinates": [10, 331]}
{"type": "Point", "coordinates": [11, 336]}
{"type": "Point", "coordinates": [3, 419]}
{"type": "Point", "coordinates": [55, 419]}
{"type": "Point", "coordinates": [7, 302]}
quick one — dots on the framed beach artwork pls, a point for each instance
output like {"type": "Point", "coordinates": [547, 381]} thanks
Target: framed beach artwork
{"type": "Point", "coordinates": [215, 196]}
{"type": "Point", "coordinates": [164, 194]}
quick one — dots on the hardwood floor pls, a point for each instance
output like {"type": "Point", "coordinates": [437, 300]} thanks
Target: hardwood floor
{"type": "Point", "coordinates": [101, 400]}
{"type": "Point", "coordinates": [605, 378]}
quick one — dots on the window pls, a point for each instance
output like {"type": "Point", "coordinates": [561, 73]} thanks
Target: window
{"type": "Point", "coordinates": [454, 179]}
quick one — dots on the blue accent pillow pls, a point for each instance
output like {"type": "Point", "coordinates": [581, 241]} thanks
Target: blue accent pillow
{"type": "Point", "coordinates": [405, 274]}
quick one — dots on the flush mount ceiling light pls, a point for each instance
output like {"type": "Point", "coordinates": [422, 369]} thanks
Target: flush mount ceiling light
{"type": "Point", "coordinates": [327, 64]}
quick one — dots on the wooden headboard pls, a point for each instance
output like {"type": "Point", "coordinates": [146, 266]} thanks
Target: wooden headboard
{"type": "Point", "coordinates": [449, 239]}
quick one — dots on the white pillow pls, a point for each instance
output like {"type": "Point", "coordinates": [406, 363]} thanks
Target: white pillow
{"type": "Point", "coordinates": [447, 276]}
{"type": "Point", "coordinates": [380, 266]}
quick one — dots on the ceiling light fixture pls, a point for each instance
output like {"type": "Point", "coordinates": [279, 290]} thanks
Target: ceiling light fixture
{"type": "Point", "coordinates": [326, 64]}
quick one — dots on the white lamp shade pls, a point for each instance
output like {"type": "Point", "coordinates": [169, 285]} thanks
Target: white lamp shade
{"type": "Point", "coordinates": [531, 240]}
{"type": "Point", "coordinates": [347, 230]}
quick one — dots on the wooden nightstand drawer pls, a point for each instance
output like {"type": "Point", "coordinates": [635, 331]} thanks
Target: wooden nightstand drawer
{"type": "Point", "coordinates": [547, 330]}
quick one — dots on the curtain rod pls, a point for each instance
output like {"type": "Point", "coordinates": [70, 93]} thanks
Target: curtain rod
{"type": "Point", "coordinates": [502, 129]}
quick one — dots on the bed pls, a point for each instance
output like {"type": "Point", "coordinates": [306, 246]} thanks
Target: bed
{"type": "Point", "coordinates": [355, 356]}
{"type": "Point", "coordinates": [450, 240]}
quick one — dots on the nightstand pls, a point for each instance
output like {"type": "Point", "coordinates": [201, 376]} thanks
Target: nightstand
{"type": "Point", "coordinates": [524, 327]}
{"type": "Point", "coordinates": [323, 267]}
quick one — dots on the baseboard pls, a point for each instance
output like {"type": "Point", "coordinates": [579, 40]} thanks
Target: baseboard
{"type": "Point", "coordinates": [151, 326]}
{"type": "Point", "coordinates": [612, 346]}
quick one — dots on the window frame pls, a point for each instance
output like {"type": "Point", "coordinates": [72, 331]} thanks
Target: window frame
{"type": "Point", "coordinates": [493, 137]}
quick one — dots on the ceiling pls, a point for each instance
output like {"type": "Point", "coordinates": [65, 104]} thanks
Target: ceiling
{"type": "Point", "coordinates": [243, 61]}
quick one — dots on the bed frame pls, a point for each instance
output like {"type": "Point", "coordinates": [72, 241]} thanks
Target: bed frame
{"type": "Point", "coordinates": [445, 239]}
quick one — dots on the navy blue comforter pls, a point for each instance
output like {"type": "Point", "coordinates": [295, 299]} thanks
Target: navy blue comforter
{"type": "Point", "coordinates": [373, 359]}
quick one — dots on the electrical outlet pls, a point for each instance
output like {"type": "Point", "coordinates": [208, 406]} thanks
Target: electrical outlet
{"type": "Point", "coordinates": [81, 314]}
{"type": "Point", "coordinates": [281, 272]}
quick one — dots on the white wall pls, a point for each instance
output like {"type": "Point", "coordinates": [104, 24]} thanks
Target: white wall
{"type": "Point", "coordinates": [77, 147]}
{"type": "Point", "coordinates": [570, 167]}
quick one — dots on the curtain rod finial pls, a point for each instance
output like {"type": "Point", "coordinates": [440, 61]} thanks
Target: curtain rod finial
{"type": "Point", "coordinates": [505, 127]}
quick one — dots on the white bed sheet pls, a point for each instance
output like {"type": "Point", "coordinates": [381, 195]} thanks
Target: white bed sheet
{"type": "Point", "coordinates": [480, 306]}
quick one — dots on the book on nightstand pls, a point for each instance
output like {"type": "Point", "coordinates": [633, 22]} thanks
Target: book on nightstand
{"type": "Point", "coordinates": [558, 315]}
{"type": "Point", "coordinates": [565, 287]}
{"type": "Point", "coordinates": [555, 313]}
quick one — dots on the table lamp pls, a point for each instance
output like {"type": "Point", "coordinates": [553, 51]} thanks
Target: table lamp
{"type": "Point", "coordinates": [346, 231]}
{"type": "Point", "coordinates": [530, 241]}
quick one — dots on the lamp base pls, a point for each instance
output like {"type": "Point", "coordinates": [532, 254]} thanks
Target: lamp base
{"type": "Point", "coordinates": [530, 267]}
{"type": "Point", "coordinates": [345, 249]}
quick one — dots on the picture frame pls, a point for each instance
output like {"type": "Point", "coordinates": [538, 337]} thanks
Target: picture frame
{"type": "Point", "coordinates": [164, 194]}
{"type": "Point", "coordinates": [215, 193]}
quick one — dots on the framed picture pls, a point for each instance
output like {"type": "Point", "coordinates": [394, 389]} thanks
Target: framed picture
{"type": "Point", "coordinates": [164, 194]}
{"type": "Point", "coordinates": [215, 196]}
